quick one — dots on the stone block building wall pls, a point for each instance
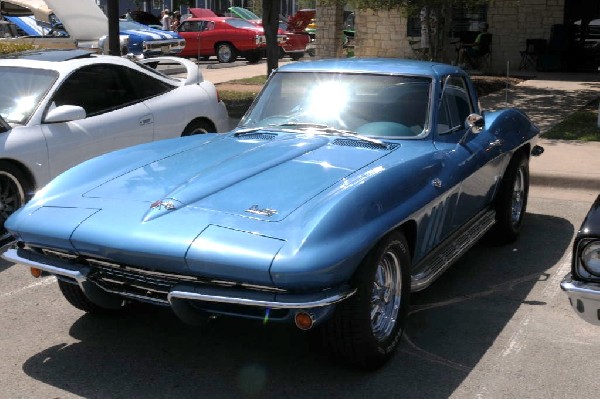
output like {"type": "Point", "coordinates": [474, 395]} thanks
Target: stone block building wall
{"type": "Point", "coordinates": [381, 34]}
{"type": "Point", "coordinates": [329, 35]}
{"type": "Point", "coordinates": [512, 22]}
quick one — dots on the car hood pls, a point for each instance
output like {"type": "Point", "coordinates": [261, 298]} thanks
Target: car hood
{"type": "Point", "coordinates": [299, 21]}
{"type": "Point", "coordinates": [264, 176]}
{"type": "Point", "coordinates": [202, 13]}
{"type": "Point", "coordinates": [85, 21]}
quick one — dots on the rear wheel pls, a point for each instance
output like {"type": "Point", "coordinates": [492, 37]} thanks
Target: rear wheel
{"type": "Point", "coordinates": [198, 126]}
{"type": "Point", "coordinates": [296, 56]}
{"type": "Point", "coordinates": [511, 201]}
{"type": "Point", "coordinates": [15, 190]}
{"type": "Point", "coordinates": [226, 53]}
{"type": "Point", "coordinates": [253, 57]}
{"type": "Point", "coordinates": [365, 330]}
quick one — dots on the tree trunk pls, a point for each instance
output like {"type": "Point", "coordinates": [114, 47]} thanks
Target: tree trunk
{"type": "Point", "coordinates": [270, 20]}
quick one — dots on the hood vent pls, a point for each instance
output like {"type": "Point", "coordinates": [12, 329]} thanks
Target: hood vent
{"type": "Point", "coordinates": [364, 144]}
{"type": "Point", "coordinates": [258, 136]}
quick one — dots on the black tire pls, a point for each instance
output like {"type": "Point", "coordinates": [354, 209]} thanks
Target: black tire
{"type": "Point", "coordinates": [511, 201]}
{"type": "Point", "coordinates": [296, 56]}
{"type": "Point", "coordinates": [15, 191]}
{"type": "Point", "coordinates": [365, 330]}
{"type": "Point", "coordinates": [197, 126]}
{"type": "Point", "coordinates": [75, 296]}
{"type": "Point", "coordinates": [253, 57]}
{"type": "Point", "coordinates": [226, 53]}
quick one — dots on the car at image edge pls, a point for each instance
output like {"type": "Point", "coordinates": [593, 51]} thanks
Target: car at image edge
{"type": "Point", "coordinates": [582, 284]}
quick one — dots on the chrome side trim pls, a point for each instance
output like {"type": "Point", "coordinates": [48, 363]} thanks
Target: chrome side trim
{"type": "Point", "coordinates": [447, 253]}
{"type": "Point", "coordinates": [325, 301]}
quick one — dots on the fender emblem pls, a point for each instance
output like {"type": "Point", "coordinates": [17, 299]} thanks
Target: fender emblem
{"type": "Point", "coordinates": [254, 209]}
{"type": "Point", "coordinates": [168, 205]}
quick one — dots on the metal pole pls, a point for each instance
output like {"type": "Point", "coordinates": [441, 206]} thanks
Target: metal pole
{"type": "Point", "coordinates": [113, 27]}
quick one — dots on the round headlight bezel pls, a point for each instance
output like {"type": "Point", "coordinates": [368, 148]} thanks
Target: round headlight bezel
{"type": "Point", "coordinates": [589, 257]}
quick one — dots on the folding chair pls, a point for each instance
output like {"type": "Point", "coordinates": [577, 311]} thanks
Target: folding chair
{"type": "Point", "coordinates": [534, 49]}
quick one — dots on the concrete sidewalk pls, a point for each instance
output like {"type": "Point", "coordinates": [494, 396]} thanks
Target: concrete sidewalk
{"type": "Point", "coordinates": [546, 98]}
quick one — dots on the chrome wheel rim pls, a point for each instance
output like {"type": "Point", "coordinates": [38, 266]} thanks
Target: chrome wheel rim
{"type": "Point", "coordinates": [224, 53]}
{"type": "Point", "coordinates": [518, 196]}
{"type": "Point", "coordinates": [385, 296]}
{"type": "Point", "coordinates": [12, 196]}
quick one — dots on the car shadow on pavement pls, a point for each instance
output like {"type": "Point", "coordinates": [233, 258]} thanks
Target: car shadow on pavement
{"type": "Point", "coordinates": [147, 352]}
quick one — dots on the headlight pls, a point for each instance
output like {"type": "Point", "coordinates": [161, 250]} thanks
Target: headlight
{"type": "Point", "coordinates": [590, 257]}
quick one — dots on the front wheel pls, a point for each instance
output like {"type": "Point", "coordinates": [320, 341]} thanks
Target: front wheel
{"type": "Point", "coordinates": [365, 330]}
{"type": "Point", "coordinates": [511, 201]}
{"type": "Point", "coordinates": [15, 190]}
{"type": "Point", "coordinates": [226, 53]}
{"type": "Point", "coordinates": [75, 296]}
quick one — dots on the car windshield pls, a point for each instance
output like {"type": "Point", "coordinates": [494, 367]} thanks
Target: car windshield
{"type": "Point", "coordinates": [369, 105]}
{"type": "Point", "coordinates": [22, 91]}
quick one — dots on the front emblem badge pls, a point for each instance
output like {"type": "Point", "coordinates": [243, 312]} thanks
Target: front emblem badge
{"type": "Point", "coordinates": [254, 209]}
{"type": "Point", "coordinates": [168, 205]}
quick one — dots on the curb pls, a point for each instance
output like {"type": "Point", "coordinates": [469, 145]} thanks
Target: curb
{"type": "Point", "coordinates": [565, 181]}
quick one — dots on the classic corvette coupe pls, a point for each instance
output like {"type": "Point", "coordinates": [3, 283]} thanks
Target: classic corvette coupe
{"type": "Point", "coordinates": [582, 284]}
{"type": "Point", "coordinates": [349, 184]}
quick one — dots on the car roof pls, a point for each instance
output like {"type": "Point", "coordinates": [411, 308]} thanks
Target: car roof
{"type": "Point", "coordinates": [50, 55]}
{"type": "Point", "coordinates": [62, 61]}
{"type": "Point", "coordinates": [391, 66]}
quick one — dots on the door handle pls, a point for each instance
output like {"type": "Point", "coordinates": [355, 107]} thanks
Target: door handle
{"type": "Point", "coordinates": [146, 120]}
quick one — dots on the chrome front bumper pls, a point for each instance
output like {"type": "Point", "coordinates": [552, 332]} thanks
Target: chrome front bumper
{"type": "Point", "coordinates": [182, 290]}
{"type": "Point", "coordinates": [584, 298]}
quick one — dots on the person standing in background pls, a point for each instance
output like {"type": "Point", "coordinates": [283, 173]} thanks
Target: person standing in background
{"type": "Point", "coordinates": [165, 19]}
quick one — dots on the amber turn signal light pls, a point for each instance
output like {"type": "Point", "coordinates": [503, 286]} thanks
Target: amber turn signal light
{"type": "Point", "coordinates": [304, 321]}
{"type": "Point", "coordinates": [36, 272]}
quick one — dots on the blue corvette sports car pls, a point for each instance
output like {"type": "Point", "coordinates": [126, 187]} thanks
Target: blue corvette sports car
{"type": "Point", "coordinates": [348, 185]}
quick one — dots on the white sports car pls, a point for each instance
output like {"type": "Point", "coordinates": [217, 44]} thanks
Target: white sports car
{"type": "Point", "coordinates": [63, 107]}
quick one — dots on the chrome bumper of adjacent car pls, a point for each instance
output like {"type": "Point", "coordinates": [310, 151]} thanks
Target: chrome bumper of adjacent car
{"type": "Point", "coordinates": [172, 289]}
{"type": "Point", "coordinates": [584, 298]}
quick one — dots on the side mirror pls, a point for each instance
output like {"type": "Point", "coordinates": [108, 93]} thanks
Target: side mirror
{"type": "Point", "coordinates": [474, 123]}
{"type": "Point", "coordinates": [65, 113]}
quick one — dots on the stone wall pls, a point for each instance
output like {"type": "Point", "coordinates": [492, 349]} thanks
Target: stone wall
{"type": "Point", "coordinates": [381, 34]}
{"type": "Point", "coordinates": [329, 35]}
{"type": "Point", "coordinates": [512, 22]}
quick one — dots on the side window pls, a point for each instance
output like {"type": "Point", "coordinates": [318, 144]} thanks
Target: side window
{"type": "Point", "coordinates": [97, 88]}
{"type": "Point", "coordinates": [456, 106]}
{"type": "Point", "coordinates": [144, 86]}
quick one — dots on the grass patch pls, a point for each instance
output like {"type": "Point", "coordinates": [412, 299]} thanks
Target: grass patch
{"type": "Point", "coordinates": [581, 125]}
{"type": "Point", "coordinates": [10, 47]}
{"type": "Point", "coordinates": [256, 80]}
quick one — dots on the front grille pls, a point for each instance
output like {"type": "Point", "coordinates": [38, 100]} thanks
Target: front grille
{"type": "Point", "coordinates": [140, 283]}
{"type": "Point", "coordinates": [122, 281]}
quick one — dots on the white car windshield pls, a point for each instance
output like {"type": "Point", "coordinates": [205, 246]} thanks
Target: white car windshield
{"type": "Point", "coordinates": [370, 105]}
{"type": "Point", "coordinates": [22, 91]}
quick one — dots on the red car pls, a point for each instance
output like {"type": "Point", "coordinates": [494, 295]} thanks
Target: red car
{"type": "Point", "coordinates": [297, 37]}
{"type": "Point", "coordinates": [294, 29]}
{"type": "Point", "coordinates": [225, 37]}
